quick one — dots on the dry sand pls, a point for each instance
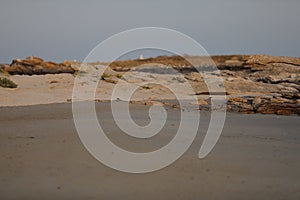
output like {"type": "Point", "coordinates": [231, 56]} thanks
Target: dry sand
{"type": "Point", "coordinates": [257, 157]}
{"type": "Point", "coordinates": [58, 88]}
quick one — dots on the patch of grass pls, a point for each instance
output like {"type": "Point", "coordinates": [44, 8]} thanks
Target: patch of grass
{"type": "Point", "coordinates": [6, 83]}
{"type": "Point", "coordinates": [104, 75]}
{"type": "Point", "coordinates": [79, 73]}
{"type": "Point", "coordinates": [119, 76]}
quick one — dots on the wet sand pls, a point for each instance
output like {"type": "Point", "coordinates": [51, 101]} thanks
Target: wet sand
{"type": "Point", "coordinates": [257, 157]}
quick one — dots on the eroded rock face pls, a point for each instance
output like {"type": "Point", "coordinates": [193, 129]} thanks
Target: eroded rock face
{"type": "Point", "coordinates": [254, 84]}
{"type": "Point", "coordinates": [36, 66]}
{"type": "Point", "coordinates": [264, 105]}
{"type": "Point", "coordinates": [274, 81]}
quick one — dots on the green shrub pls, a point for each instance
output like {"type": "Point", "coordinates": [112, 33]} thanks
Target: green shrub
{"type": "Point", "coordinates": [79, 73]}
{"type": "Point", "coordinates": [119, 76]}
{"type": "Point", "coordinates": [104, 75]}
{"type": "Point", "coordinates": [6, 83]}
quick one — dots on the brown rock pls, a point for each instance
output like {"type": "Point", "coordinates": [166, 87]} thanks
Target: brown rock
{"type": "Point", "coordinates": [267, 59]}
{"type": "Point", "coordinates": [284, 112]}
{"type": "Point", "coordinates": [32, 60]}
{"type": "Point", "coordinates": [256, 101]}
{"type": "Point", "coordinates": [279, 105]}
{"type": "Point", "coordinates": [34, 65]}
{"type": "Point", "coordinates": [49, 64]}
{"type": "Point", "coordinates": [3, 67]}
{"type": "Point", "coordinates": [153, 103]}
{"type": "Point", "coordinates": [240, 104]}
{"type": "Point", "coordinates": [202, 102]}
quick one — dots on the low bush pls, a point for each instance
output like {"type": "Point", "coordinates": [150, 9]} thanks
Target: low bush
{"type": "Point", "coordinates": [119, 76]}
{"type": "Point", "coordinates": [104, 75]}
{"type": "Point", "coordinates": [6, 83]}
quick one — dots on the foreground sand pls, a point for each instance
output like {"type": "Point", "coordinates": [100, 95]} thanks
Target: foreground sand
{"type": "Point", "coordinates": [257, 157]}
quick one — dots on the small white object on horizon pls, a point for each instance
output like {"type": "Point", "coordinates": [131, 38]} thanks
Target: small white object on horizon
{"type": "Point", "coordinates": [141, 57]}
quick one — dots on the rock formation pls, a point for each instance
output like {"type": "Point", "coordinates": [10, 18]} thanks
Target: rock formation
{"type": "Point", "coordinates": [254, 83]}
{"type": "Point", "coordinates": [36, 66]}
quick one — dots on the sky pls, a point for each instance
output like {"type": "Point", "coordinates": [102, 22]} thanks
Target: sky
{"type": "Point", "coordinates": [60, 30]}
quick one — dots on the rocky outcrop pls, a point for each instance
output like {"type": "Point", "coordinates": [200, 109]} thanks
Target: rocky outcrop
{"type": "Point", "coordinates": [261, 83]}
{"type": "Point", "coordinates": [36, 66]}
{"type": "Point", "coordinates": [254, 83]}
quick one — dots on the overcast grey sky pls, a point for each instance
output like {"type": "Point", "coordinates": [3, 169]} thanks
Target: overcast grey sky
{"type": "Point", "coordinates": [61, 29]}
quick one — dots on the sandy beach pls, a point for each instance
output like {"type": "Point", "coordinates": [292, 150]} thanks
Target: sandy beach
{"type": "Point", "coordinates": [257, 155]}
{"type": "Point", "coordinates": [150, 100]}
{"type": "Point", "coordinates": [43, 158]}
